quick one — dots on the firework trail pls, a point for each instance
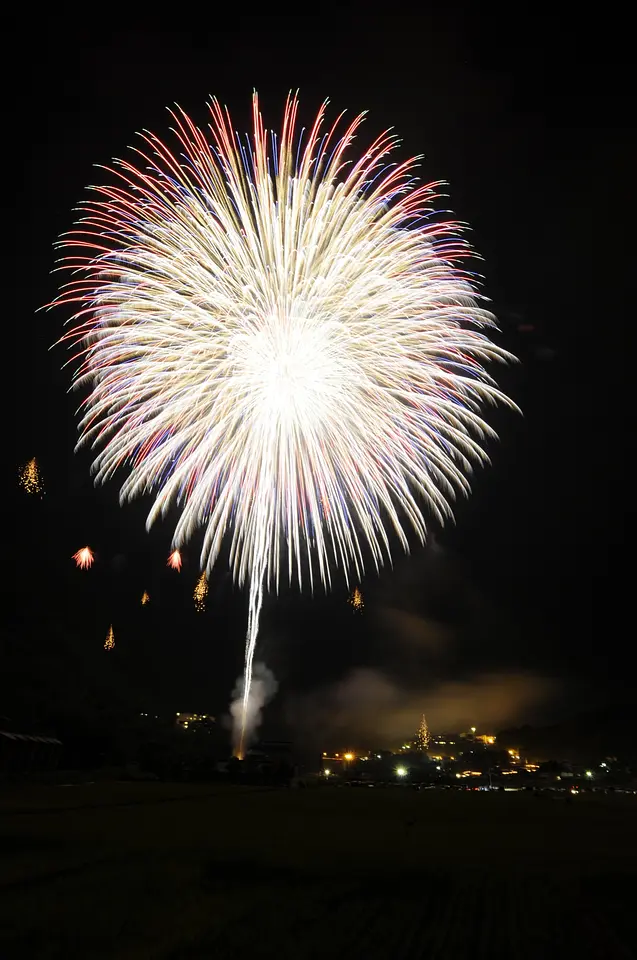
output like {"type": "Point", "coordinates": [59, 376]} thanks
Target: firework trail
{"type": "Point", "coordinates": [174, 561]}
{"type": "Point", "coordinates": [145, 598]}
{"type": "Point", "coordinates": [84, 558]}
{"type": "Point", "coordinates": [281, 342]}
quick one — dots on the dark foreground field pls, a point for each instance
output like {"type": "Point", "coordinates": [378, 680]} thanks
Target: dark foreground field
{"type": "Point", "coordinates": [161, 871]}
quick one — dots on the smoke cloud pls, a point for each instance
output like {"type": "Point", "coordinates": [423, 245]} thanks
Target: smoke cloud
{"type": "Point", "coordinates": [264, 686]}
{"type": "Point", "coordinates": [368, 708]}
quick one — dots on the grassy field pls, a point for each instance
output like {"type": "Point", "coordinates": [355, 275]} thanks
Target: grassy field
{"type": "Point", "coordinates": [175, 871]}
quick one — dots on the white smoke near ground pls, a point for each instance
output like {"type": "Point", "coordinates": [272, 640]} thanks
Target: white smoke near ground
{"type": "Point", "coordinates": [263, 687]}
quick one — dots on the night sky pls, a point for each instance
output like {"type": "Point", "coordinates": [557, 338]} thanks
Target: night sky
{"type": "Point", "coordinates": [492, 623]}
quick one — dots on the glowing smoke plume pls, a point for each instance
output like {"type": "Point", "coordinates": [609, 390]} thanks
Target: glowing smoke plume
{"type": "Point", "coordinates": [247, 711]}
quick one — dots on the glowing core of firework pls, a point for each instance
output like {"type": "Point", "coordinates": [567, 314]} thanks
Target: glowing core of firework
{"type": "Point", "coordinates": [84, 558]}
{"type": "Point", "coordinates": [283, 344]}
{"type": "Point", "coordinates": [174, 560]}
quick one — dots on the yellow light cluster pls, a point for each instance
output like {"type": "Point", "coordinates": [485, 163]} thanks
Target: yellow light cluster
{"type": "Point", "coordinates": [30, 479]}
{"type": "Point", "coordinates": [186, 719]}
{"type": "Point", "coordinates": [356, 600]}
{"type": "Point", "coordinates": [201, 592]}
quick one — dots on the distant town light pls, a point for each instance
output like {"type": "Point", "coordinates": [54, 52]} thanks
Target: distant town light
{"type": "Point", "coordinates": [589, 773]}
{"type": "Point", "coordinates": [473, 729]}
{"type": "Point", "coordinates": [347, 756]}
{"type": "Point", "coordinates": [327, 772]}
{"type": "Point", "coordinates": [401, 771]}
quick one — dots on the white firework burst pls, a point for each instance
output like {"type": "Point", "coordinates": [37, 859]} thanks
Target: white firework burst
{"type": "Point", "coordinates": [280, 342]}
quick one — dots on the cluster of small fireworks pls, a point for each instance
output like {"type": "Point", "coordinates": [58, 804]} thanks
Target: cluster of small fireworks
{"type": "Point", "coordinates": [297, 328]}
{"type": "Point", "coordinates": [145, 598]}
{"type": "Point", "coordinates": [201, 592]}
{"type": "Point", "coordinates": [174, 561]}
{"type": "Point", "coordinates": [109, 643]}
{"type": "Point", "coordinates": [31, 479]}
{"type": "Point", "coordinates": [84, 558]}
{"type": "Point", "coordinates": [356, 600]}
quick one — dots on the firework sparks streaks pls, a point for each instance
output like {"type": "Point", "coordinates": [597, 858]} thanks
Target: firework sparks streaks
{"type": "Point", "coordinates": [281, 341]}
{"type": "Point", "coordinates": [84, 558]}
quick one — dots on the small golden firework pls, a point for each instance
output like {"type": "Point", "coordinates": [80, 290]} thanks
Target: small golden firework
{"type": "Point", "coordinates": [201, 592]}
{"type": "Point", "coordinates": [84, 558]}
{"type": "Point", "coordinates": [109, 643]}
{"type": "Point", "coordinates": [356, 600]}
{"type": "Point", "coordinates": [174, 560]}
{"type": "Point", "coordinates": [30, 478]}
{"type": "Point", "coordinates": [145, 598]}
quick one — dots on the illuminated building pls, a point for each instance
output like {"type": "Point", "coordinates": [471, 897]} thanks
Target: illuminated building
{"type": "Point", "coordinates": [194, 721]}
{"type": "Point", "coordinates": [486, 738]}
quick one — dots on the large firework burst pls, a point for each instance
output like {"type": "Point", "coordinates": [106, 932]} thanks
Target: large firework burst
{"type": "Point", "coordinates": [282, 343]}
